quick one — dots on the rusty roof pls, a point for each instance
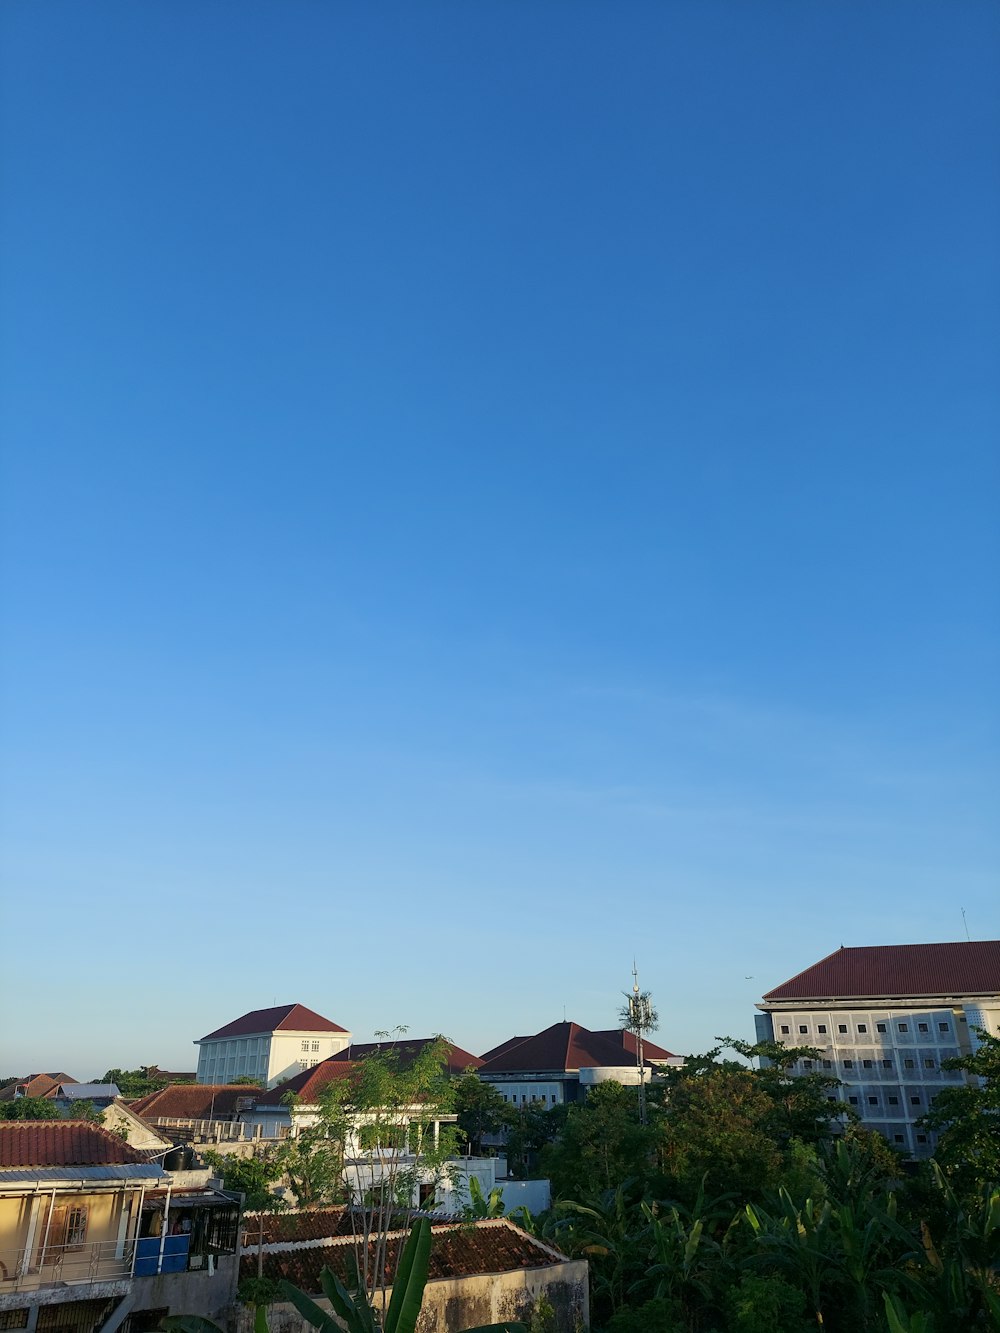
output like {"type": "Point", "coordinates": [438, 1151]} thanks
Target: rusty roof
{"type": "Point", "coordinates": [898, 971]}
{"type": "Point", "coordinates": [463, 1250]}
{"type": "Point", "coordinates": [279, 1018]}
{"type": "Point", "coordinates": [42, 1143]}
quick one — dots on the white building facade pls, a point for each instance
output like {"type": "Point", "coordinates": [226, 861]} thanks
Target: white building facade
{"type": "Point", "coordinates": [271, 1045]}
{"type": "Point", "coordinates": [887, 1046]}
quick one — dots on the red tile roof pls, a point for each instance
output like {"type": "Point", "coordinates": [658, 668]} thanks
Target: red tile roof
{"type": "Point", "coordinates": [281, 1018]}
{"type": "Point", "coordinates": [310, 1083]}
{"type": "Point", "coordinates": [507, 1045]}
{"type": "Point", "coordinates": [458, 1061]}
{"type": "Point", "coordinates": [565, 1047]}
{"type": "Point", "coordinates": [34, 1085]}
{"type": "Point", "coordinates": [194, 1101]}
{"type": "Point", "coordinates": [626, 1039]}
{"type": "Point", "coordinates": [494, 1246]}
{"type": "Point", "coordinates": [889, 971]}
{"type": "Point", "coordinates": [43, 1143]}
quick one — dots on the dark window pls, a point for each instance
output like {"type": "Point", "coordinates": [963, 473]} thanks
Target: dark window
{"type": "Point", "coordinates": [908, 1063]}
{"type": "Point", "coordinates": [893, 1101]}
{"type": "Point", "coordinates": [921, 1138]}
{"type": "Point", "coordinates": [903, 1027]}
{"type": "Point", "coordinates": [853, 1101]}
{"type": "Point", "coordinates": [886, 1064]}
{"type": "Point", "coordinates": [880, 1026]}
{"type": "Point", "coordinates": [943, 1027]}
{"type": "Point", "coordinates": [803, 1028]}
{"type": "Point", "coordinates": [821, 1028]}
{"type": "Point", "coordinates": [848, 1064]}
{"type": "Point", "coordinates": [827, 1064]}
{"type": "Point", "coordinates": [914, 1101]}
{"type": "Point", "coordinates": [426, 1196]}
{"type": "Point", "coordinates": [862, 1027]}
{"type": "Point", "coordinates": [841, 1027]}
{"type": "Point", "coordinates": [897, 1138]}
{"type": "Point", "coordinates": [867, 1064]}
{"type": "Point", "coordinates": [928, 1064]}
{"type": "Point", "coordinates": [784, 1030]}
{"type": "Point", "coordinates": [873, 1101]}
{"type": "Point", "coordinates": [807, 1064]}
{"type": "Point", "coordinates": [922, 1027]}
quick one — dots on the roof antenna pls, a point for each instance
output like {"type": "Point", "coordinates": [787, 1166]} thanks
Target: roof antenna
{"type": "Point", "coordinates": [564, 1013]}
{"type": "Point", "coordinates": [966, 925]}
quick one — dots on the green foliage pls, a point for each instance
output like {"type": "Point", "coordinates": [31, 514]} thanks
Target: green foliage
{"type": "Point", "coordinates": [766, 1304]}
{"type": "Point", "coordinates": [602, 1142]}
{"type": "Point", "coordinates": [658, 1315]}
{"type": "Point", "coordinates": [966, 1119]}
{"type": "Point", "coordinates": [313, 1161]}
{"type": "Point", "coordinates": [529, 1128]}
{"type": "Point", "coordinates": [251, 1176]}
{"type": "Point", "coordinates": [483, 1205]}
{"type": "Point", "coordinates": [29, 1108]}
{"type": "Point", "coordinates": [480, 1108]}
{"type": "Point", "coordinates": [132, 1083]}
{"type": "Point", "coordinates": [258, 1290]}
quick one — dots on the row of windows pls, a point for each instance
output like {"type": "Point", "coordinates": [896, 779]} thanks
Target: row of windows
{"type": "Point", "coordinates": [908, 1063]}
{"type": "Point", "coordinates": [535, 1097]}
{"type": "Point", "coordinates": [863, 1027]}
{"type": "Point", "coordinates": [891, 1100]}
{"type": "Point", "coordinates": [310, 1045]}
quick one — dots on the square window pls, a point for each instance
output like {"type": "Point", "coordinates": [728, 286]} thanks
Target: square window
{"type": "Point", "coordinates": [841, 1027]}
{"type": "Point", "coordinates": [807, 1064]}
{"type": "Point", "coordinates": [880, 1027]}
{"type": "Point", "coordinates": [867, 1064]}
{"type": "Point", "coordinates": [862, 1027]}
{"type": "Point", "coordinates": [914, 1101]}
{"type": "Point", "coordinates": [903, 1027]}
{"type": "Point", "coordinates": [848, 1064]}
{"type": "Point", "coordinates": [853, 1101]}
{"type": "Point", "coordinates": [922, 1027]}
{"type": "Point", "coordinates": [803, 1028]}
{"type": "Point", "coordinates": [921, 1138]}
{"type": "Point", "coordinates": [928, 1064]}
{"type": "Point", "coordinates": [908, 1063]}
{"type": "Point", "coordinates": [827, 1064]}
{"type": "Point", "coordinates": [821, 1027]}
{"type": "Point", "coordinates": [886, 1064]}
{"type": "Point", "coordinates": [784, 1029]}
{"type": "Point", "coordinates": [897, 1138]}
{"type": "Point", "coordinates": [943, 1027]}
{"type": "Point", "coordinates": [873, 1101]}
{"type": "Point", "coordinates": [893, 1101]}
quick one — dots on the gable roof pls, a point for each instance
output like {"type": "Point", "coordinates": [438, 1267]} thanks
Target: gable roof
{"type": "Point", "coordinates": [279, 1018]}
{"type": "Point", "coordinates": [42, 1143]}
{"type": "Point", "coordinates": [895, 971]}
{"type": "Point", "coordinates": [194, 1101]}
{"type": "Point", "coordinates": [565, 1047]}
{"type": "Point", "coordinates": [466, 1250]}
{"type": "Point", "coordinates": [310, 1083]}
{"type": "Point", "coordinates": [408, 1048]}
{"type": "Point", "coordinates": [626, 1039]}
{"type": "Point", "coordinates": [34, 1085]}
{"type": "Point", "coordinates": [507, 1045]}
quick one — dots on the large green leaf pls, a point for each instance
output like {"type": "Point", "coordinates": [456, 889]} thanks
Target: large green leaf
{"type": "Point", "coordinates": [411, 1278]}
{"type": "Point", "coordinates": [307, 1308]}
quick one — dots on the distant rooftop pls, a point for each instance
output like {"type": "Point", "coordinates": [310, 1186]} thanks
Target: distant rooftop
{"type": "Point", "coordinates": [898, 971]}
{"type": "Point", "coordinates": [407, 1048]}
{"type": "Point", "coordinates": [280, 1018]}
{"type": "Point", "coordinates": [565, 1047]}
{"type": "Point", "coordinates": [46, 1143]}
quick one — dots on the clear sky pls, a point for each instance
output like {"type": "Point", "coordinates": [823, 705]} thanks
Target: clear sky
{"type": "Point", "coordinates": [489, 491]}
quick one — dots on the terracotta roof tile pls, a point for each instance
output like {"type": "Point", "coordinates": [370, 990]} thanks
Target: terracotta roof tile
{"type": "Point", "coordinates": [280, 1018]}
{"type": "Point", "coordinates": [507, 1045]}
{"type": "Point", "coordinates": [43, 1143]}
{"type": "Point", "coordinates": [495, 1246]}
{"type": "Point", "coordinates": [459, 1060]}
{"type": "Point", "coordinates": [564, 1047]}
{"type": "Point", "coordinates": [887, 971]}
{"type": "Point", "coordinates": [626, 1039]}
{"type": "Point", "coordinates": [194, 1101]}
{"type": "Point", "coordinates": [310, 1083]}
{"type": "Point", "coordinates": [34, 1085]}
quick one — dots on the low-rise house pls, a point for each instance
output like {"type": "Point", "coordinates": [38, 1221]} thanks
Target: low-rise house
{"type": "Point", "coordinates": [557, 1065]}
{"type": "Point", "coordinates": [105, 1231]}
{"type": "Point", "coordinates": [34, 1085]}
{"type": "Point", "coordinates": [479, 1273]}
{"type": "Point", "coordinates": [270, 1045]}
{"type": "Point", "coordinates": [199, 1112]}
{"type": "Point", "coordinates": [884, 1018]}
{"type": "Point", "coordinates": [68, 1096]}
{"type": "Point", "coordinates": [122, 1120]}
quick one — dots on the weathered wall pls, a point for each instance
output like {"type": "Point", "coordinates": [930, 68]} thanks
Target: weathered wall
{"type": "Point", "coordinates": [453, 1304]}
{"type": "Point", "coordinates": [211, 1295]}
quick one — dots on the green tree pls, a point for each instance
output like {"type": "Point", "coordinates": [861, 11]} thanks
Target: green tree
{"type": "Point", "coordinates": [29, 1108]}
{"type": "Point", "coordinates": [132, 1083]}
{"type": "Point", "coordinates": [481, 1110]}
{"type": "Point", "coordinates": [602, 1143]}
{"type": "Point", "coordinates": [313, 1162]}
{"type": "Point", "coordinates": [966, 1119]}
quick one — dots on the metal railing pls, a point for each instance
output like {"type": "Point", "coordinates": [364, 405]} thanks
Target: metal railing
{"type": "Point", "coordinates": [100, 1261]}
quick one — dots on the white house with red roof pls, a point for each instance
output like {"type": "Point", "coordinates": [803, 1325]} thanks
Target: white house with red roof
{"type": "Point", "coordinates": [272, 1045]}
{"type": "Point", "coordinates": [884, 1017]}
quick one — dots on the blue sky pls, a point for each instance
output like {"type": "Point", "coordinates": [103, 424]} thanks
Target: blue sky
{"type": "Point", "coordinates": [489, 491]}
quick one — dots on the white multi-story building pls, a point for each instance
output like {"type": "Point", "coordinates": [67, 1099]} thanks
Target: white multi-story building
{"type": "Point", "coordinates": [884, 1018]}
{"type": "Point", "coordinates": [269, 1044]}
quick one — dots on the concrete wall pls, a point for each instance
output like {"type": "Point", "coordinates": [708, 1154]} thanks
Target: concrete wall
{"type": "Point", "coordinates": [453, 1304]}
{"type": "Point", "coordinates": [211, 1295]}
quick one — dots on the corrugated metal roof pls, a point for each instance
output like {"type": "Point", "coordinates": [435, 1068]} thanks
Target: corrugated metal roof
{"type": "Point", "coordinates": [85, 1091]}
{"type": "Point", "coordinates": [124, 1171]}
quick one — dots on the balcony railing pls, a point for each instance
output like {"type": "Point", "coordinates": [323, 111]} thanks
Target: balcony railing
{"type": "Point", "coordinates": [101, 1261]}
